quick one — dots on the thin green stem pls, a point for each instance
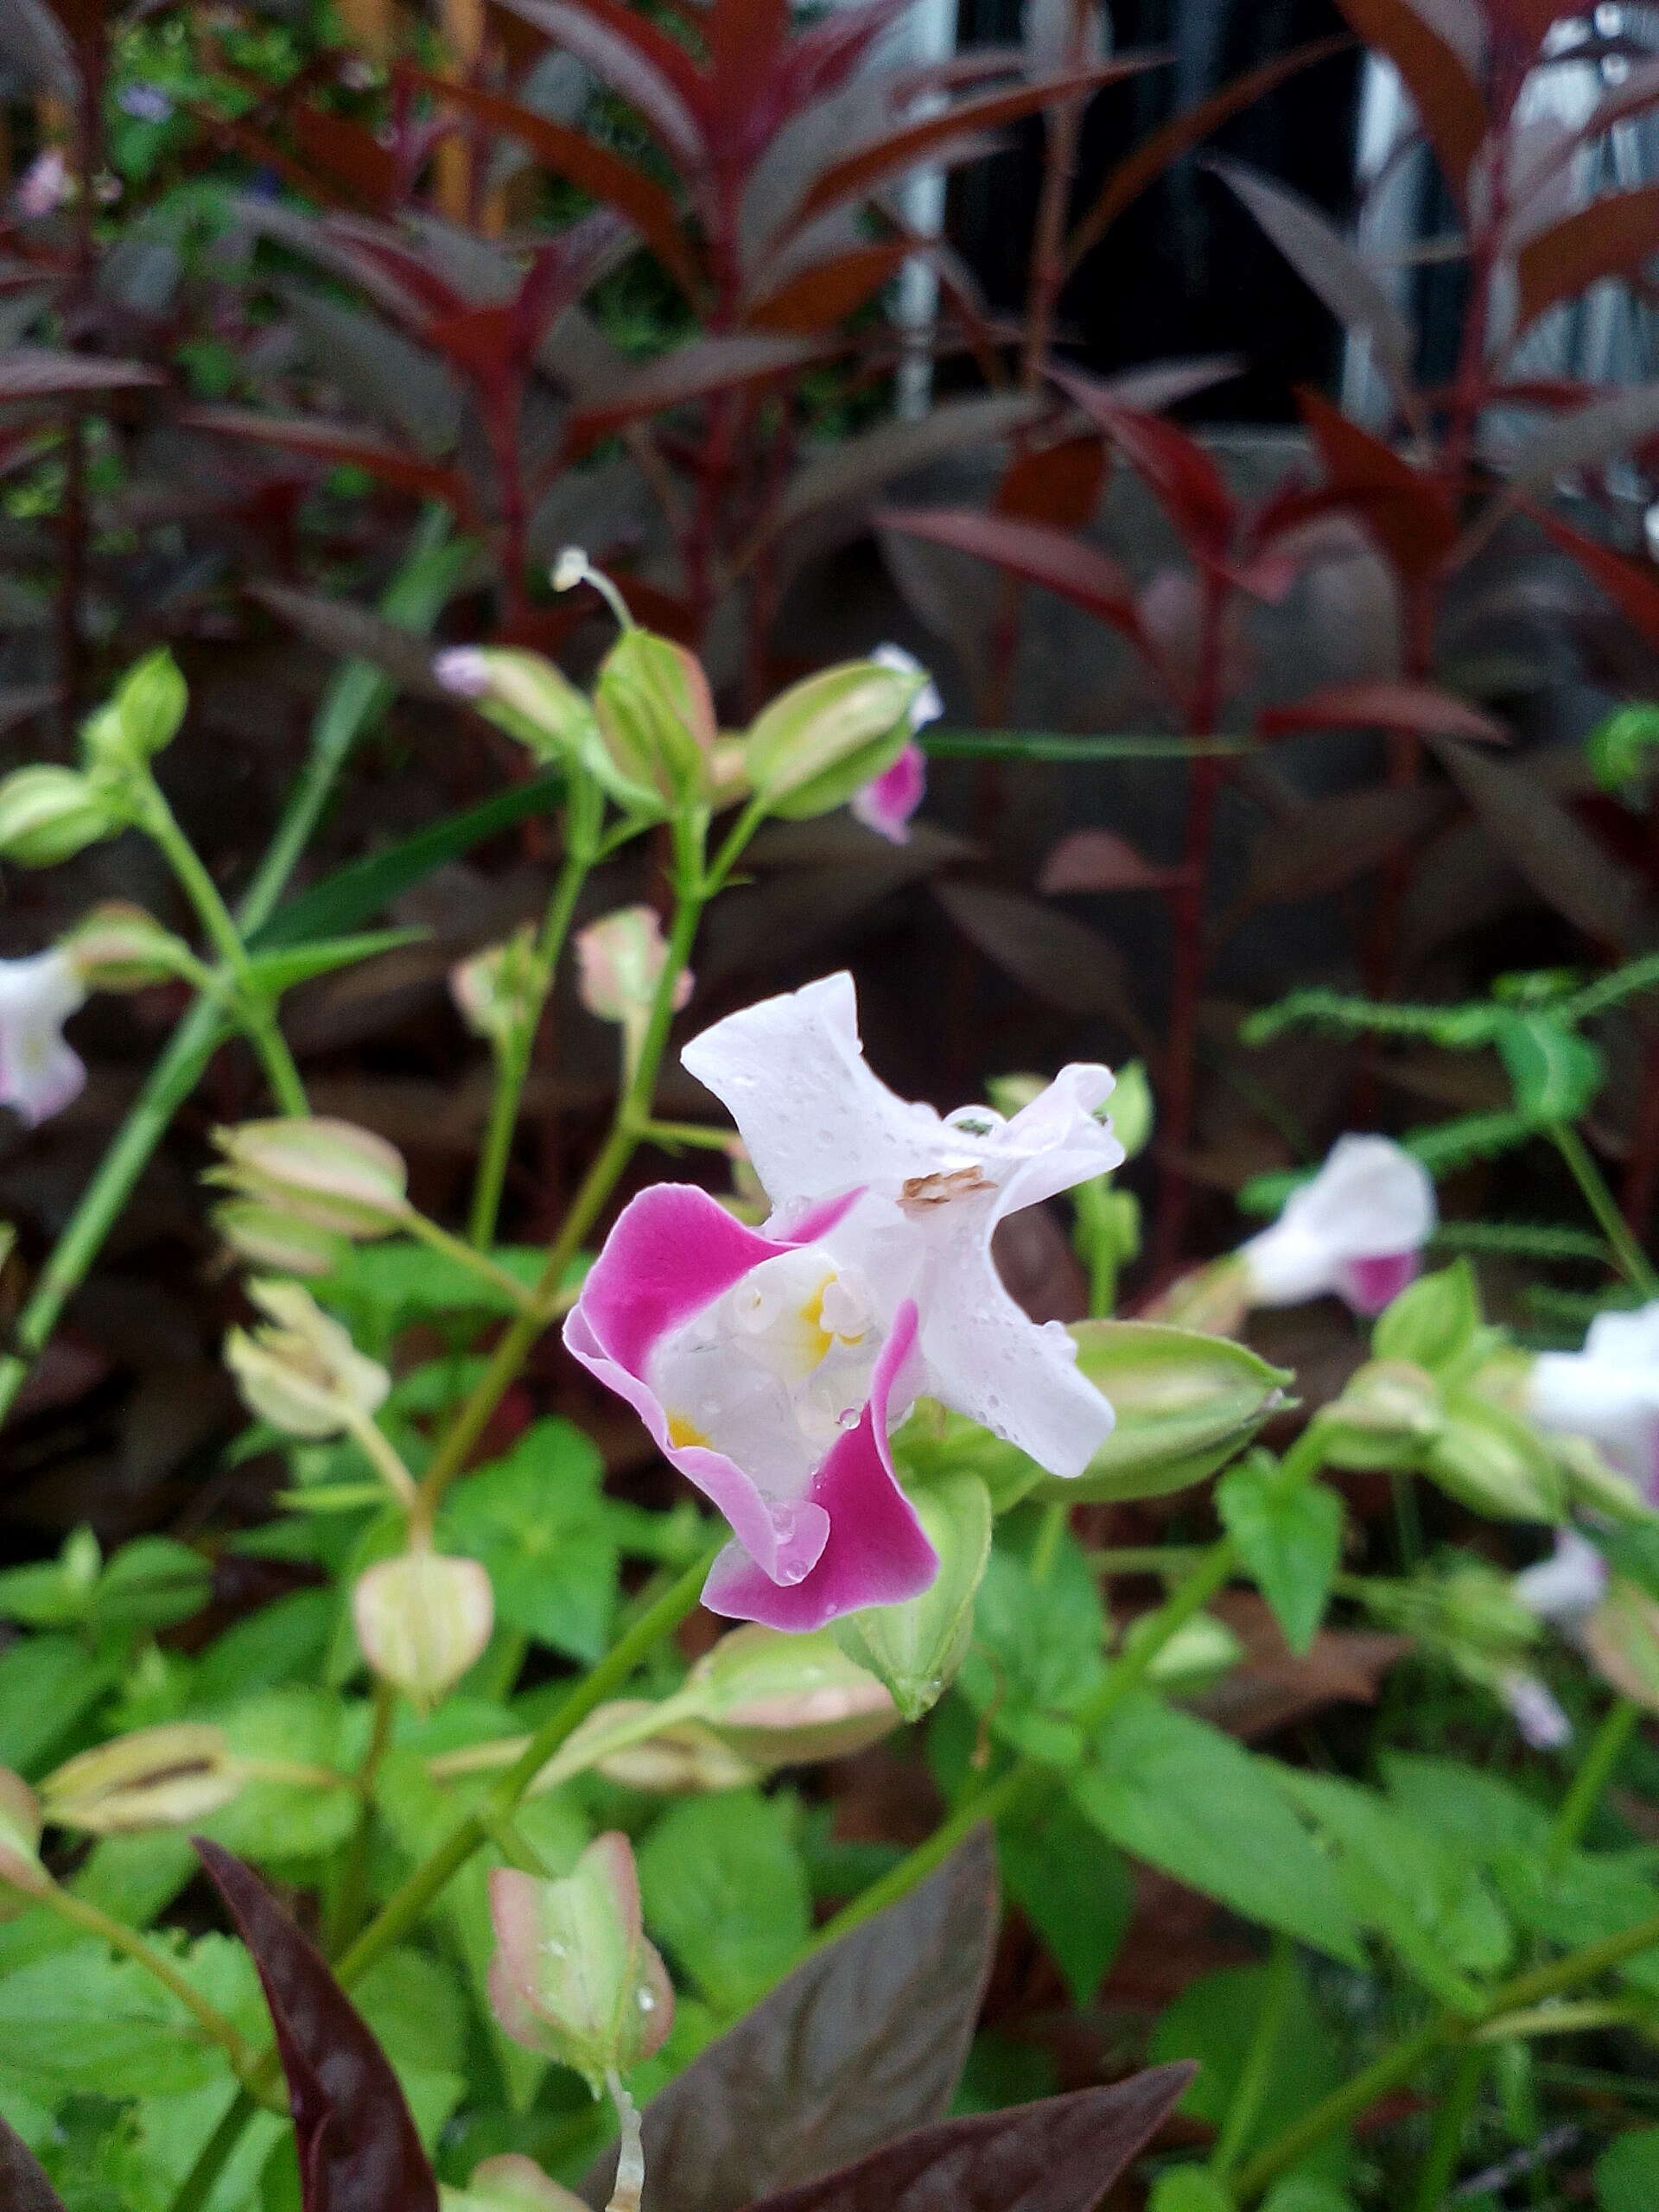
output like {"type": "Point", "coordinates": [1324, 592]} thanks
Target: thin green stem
{"type": "Point", "coordinates": [212, 2023]}
{"type": "Point", "coordinates": [1050, 1531]}
{"type": "Point", "coordinates": [702, 1134]}
{"type": "Point", "coordinates": [1457, 2109]}
{"type": "Point", "coordinates": [253, 1009]}
{"type": "Point", "coordinates": [1595, 1771]}
{"type": "Point", "coordinates": [1633, 1264]}
{"type": "Point", "coordinates": [358, 694]}
{"type": "Point", "coordinates": [513, 1066]}
{"type": "Point", "coordinates": [1396, 2065]}
{"type": "Point", "coordinates": [351, 1896]}
{"type": "Point", "coordinates": [382, 1455]}
{"type": "Point", "coordinates": [476, 1262]}
{"type": "Point", "coordinates": [993, 1799]}
{"type": "Point", "coordinates": [1255, 2075]}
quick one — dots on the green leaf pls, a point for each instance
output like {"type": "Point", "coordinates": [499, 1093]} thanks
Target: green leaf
{"type": "Point", "coordinates": [726, 1890]}
{"type": "Point", "coordinates": [1306, 2193]}
{"type": "Point", "coordinates": [1590, 1897]}
{"type": "Point", "coordinates": [1189, 2189]}
{"type": "Point", "coordinates": [1289, 1535]}
{"type": "Point", "coordinates": [84, 2020]}
{"type": "Point", "coordinates": [1627, 2173]}
{"type": "Point", "coordinates": [1186, 1403]}
{"type": "Point", "coordinates": [364, 887]}
{"type": "Point", "coordinates": [283, 1642]}
{"type": "Point", "coordinates": [1478, 1814]}
{"type": "Point", "coordinates": [270, 1821]}
{"type": "Point", "coordinates": [1071, 1885]}
{"type": "Point", "coordinates": [536, 1519]}
{"type": "Point", "coordinates": [134, 1878]}
{"type": "Point", "coordinates": [1169, 1788]}
{"type": "Point", "coordinates": [383, 1286]}
{"type": "Point", "coordinates": [277, 971]}
{"type": "Point", "coordinates": [1555, 1072]}
{"type": "Point", "coordinates": [1214, 2021]}
{"type": "Point", "coordinates": [1434, 1322]}
{"type": "Point", "coordinates": [1036, 1649]}
{"type": "Point", "coordinates": [1420, 1897]}
{"type": "Point", "coordinates": [151, 1583]}
{"type": "Point", "coordinates": [47, 1683]}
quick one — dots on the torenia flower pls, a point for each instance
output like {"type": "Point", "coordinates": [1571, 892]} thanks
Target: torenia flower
{"type": "Point", "coordinates": [1609, 1392]}
{"type": "Point", "coordinates": [1358, 1229]}
{"type": "Point", "coordinates": [887, 801]}
{"type": "Point", "coordinates": [39, 1073]}
{"type": "Point", "coordinates": [1536, 1711]}
{"type": "Point", "coordinates": [769, 1364]}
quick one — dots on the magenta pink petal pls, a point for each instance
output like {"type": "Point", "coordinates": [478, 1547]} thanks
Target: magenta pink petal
{"type": "Point", "coordinates": [887, 801]}
{"type": "Point", "coordinates": [1369, 1286]}
{"type": "Point", "coordinates": [876, 1554]}
{"type": "Point", "coordinates": [673, 1251]}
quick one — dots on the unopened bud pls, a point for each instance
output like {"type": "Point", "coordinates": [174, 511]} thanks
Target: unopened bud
{"type": "Point", "coordinates": [1133, 1111]}
{"type": "Point", "coordinates": [49, 814]}
{"type": "Point", "coordinates": [1621, 1639]}
{"type": "Point", "coordinates": [165, 1777]}
{"type": "Point", "coordinates": [619, 962]}
{"type": "Point", "coordinates": [300, 1370]}
{"type": "Point", "coordinates": [328, 1174]}
{"type": "Point", "coordinates": [1213, 1300]}
{"type": "Point", "coordinates": [1495, 1463]}
{"type": "Point", "coordinates": [271, 1239]}
{"type": "Point", "coordinates": [525, 694]}
{"type": "Point", "coordinates": [657, 718]}
{"type": "Point", "coordinates": [21, 1875]}
{"type": "Point", "coordinates": [119, 947]}
{"type": "Point", "coordinates": [627, 1742]}
{"type": "Point", "coordinates": [511, 2183]}
{"type": "Point", "coordinates": [573, 1975]}
{"type": "Point", "coordinates": [915, 1649]}
{"type": "Point", "coordinates": [826, 737]}
{"type": "Point", "coordinates": [1386, 1418]}
{"type": "Point", "coordinates": [492, 990]}
{"type": "Point", "coordinates": [422, 1619]}
{"type": "Point", "coordinates": [781, 1700]}
{"type": "Point", "coordinates": [141, 715]}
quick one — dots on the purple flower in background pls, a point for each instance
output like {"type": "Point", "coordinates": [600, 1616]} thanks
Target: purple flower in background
{"type": "Point", "coordinates": [1358, 1230]}
{"type": "Point", "coordinates": [144, 102]}
{"type": "Point", "coordinates": [769, 1364]}
{"type": "Point", "coordinates": [44, 185]}
{"type": "Point", "coordinates": [887, 801]}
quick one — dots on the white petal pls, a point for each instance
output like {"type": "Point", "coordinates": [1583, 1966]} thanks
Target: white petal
{"type": "Point", "coordinates": [1537, 1712]}
{"type": "Point", "coordinates": [1578, 1393]}
{"type": "Point", "coordinates": [1625, 1339]}
{"type": "Point", "coordinates": [1567, 1587]}
{"type": "Point", "coordinates": [1055, 1142]}
{"type": "Point", "coordinates": [1371, 1200]}
{"type": "Point", "coordinates": [790, 1071]}
{"type": "Point", "coordinates": [39, 1072]}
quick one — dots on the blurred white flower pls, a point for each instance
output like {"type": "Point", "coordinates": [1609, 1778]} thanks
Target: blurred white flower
{"type": "Point", "coordinates": [1358, 1230]}
{"type": "Point", "coordinates": [39, 1073]}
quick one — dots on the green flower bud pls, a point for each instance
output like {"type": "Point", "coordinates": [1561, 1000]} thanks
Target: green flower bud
{"type": "Point", "coordinates": [141, 715]}
{"type": "Point", "coordinates": [266, 1238]}
{"type": "Point", "coordinates": [48, 815]}
{"type": "Point", "coordinates": [1386, 1418]}
{"type": "Point", "coordinates": [167, 1777]}
{"type": "Point", "coordinates": [1434, 1322]}
{"type": "Point", "coordinates": [782, 1699]}
{"type": "Point", "coordinates": [826, 737]}
{"type": "Point", "coordinates": [119, 947]}
{"type": "Point", "coordinates": [510, 2183]}
{"type": "Point", "coordinates": [1620, 749]}
{"type": "Point", "coordinates": [422, 1620]}
{"type": "Point", "coordinates": [22, 1877]}
{"type": "Point", "coordinates": [656, 718]}
{"type": "Point", "coordinates": [916, 1647]}
{"type": "Point", "coordinates": [492, 990]}
{"type": "Point", "coordinates": [326, 1173]}
{"type": "Point", "coordinates": [573, 1975]}
{"type": "Point", "coordinates": [1495, 1463]}
{"type": "Point", "coordinates": [650, 1747]}
{"type": "Point", "coordinates": [300, 1370]}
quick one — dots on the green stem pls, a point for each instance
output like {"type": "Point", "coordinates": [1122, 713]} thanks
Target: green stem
{"type": "Point", "coordinates": [702, 1134]}
{"type": "Point", "coordinates": [212, 2023]}
{"type": "Point", "coordinates": [1458, 2104]}
{"type": "Point", "coordinates": [1595, 1771]}
{"type": "Point", "coordinates": [357, 696]}
{"type": "Point", "coordinates": [351, 1897]}
{"type": "Point", "coordinates": [993, 1799]}
{"type": "Point", "coordinates": [1245, 2107]}
{"type": "Point", "coordinates": [253, 1007]}
{"type": "Point", "coordinates": [466, 1256]}
{"type": "Point", "coordinates": [513, 1070]}
{"type": "Point", "coordinates": [1050, 1531]}
{"type": "Point", "coordinates": [1633, 1261]}
{"type": "Point", "coordinates": [1396, 2065]}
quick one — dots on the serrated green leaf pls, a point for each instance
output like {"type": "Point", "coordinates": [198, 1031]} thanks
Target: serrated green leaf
{"type": "Point", "coordinates": [1071, 1885]}
{"type": "Point", "coordinates": [1289, 1536]}
{"type": "Point", "coordinates": [705, 1869]}
{"type": "Point", "coordinates": [536, 1519]}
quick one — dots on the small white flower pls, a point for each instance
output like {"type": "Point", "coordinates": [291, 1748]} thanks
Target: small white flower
{"type": "Point", "coordinates": [1609, 1392]}
{"type": "Point", "coordinates": [1537, 1712]}
{"type": "Point", "coordinates": [1358, 1229]}
{"type": "Point", "coordinates": [463, 669]}
{"type": "Point", "coordinates": [570, 569]}
{"type": "Point", "coordinates": [39, 1073]}
{"type": "Point", "coordinates": [1565, 1588]}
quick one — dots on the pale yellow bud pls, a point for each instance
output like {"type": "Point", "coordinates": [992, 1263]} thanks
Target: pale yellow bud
{"type": "Point", "coordinates": [328, 1174]}
{"type": "Point", "coordinates": [422, 1619]}
{"type": "Point", "coordinates": [166, 1778]}
{"type": "Point", "coordinates": [301, 1371]}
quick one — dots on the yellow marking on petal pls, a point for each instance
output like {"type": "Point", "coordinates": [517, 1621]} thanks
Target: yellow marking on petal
{"type": "Point", "coordinates": [682, 1432]}
{"type": "Point", "coordinates": [818, 1338]}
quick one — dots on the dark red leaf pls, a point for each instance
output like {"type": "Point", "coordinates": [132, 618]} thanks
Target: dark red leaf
{"type": "Point", "coordinates": [23, 2187]}
{"type": "Point", "coordinates": [1060, 2155]}
{"type": "Point", "coordinates": [862, 2043]}
{"type": "Point", "coordinates": [1633, 588]}
{"type": "Point", "coordinates": [32, 373]}
{"type": "Point", "coordinates": [829, 291]}
{"type": "Point", "coordinates": [1176, 470]}
{"type": "Point", "coordinates": [697, 371]}
{"type": "Point", "coordinates": [1343, 834]}
{"type": "Point", "coordinates": [1061, 962]}
{"type": "Point", "coordinates": [1125, 184]}
{"type": "Point", "coordinates": [820, 58]}
{"type": "Point", "coordinates": [1446, 95]}
{"type": "Point", "coordinates": [1068, 565]}
{"type": "Point", "coordinates": [571, 154]}
{"type": "Point", "coordinates": [649, 69]}
{"type": "Point", "coordinates": [1059, 485]}
{"type": "Point", "coordinates": [328, 442]}
{"type": "Point", "coordinates": [1384, 702]}
{"type": "Point", "coordinates": [1409, 516]}
{"type": "Point", "coordinates": [1610, 237]}
{"type": "Point", "coordinates": [344, 150]}
{"type": "Point", "coordinates": [1099, 859]}
{"type": "Point", "coordinates": [357, 2145]}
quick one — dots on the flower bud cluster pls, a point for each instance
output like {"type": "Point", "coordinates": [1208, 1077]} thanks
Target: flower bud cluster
{"type": "Point", "coordinates": [48, 813]}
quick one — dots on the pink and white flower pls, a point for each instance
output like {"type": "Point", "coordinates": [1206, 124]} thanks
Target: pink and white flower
{"type": "Point", "coordinates": [887, 801]}
{"type": "Point", "coordinates": [40, 1072]}
{"type": "Point", "coordinates": [1608, 1391]}
{"type": "Point", "coordinates": [1358, 1230]}
{"type": "Point", "coordinates": [770, 1364]}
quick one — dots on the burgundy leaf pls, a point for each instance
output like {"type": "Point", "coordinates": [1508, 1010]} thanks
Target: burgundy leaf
{"type": "Point", "coordinates": [23, 2187]}
{"type": "Point", "coordinates": [697, 371]}
{"type": "Point", "coordinates": [1061, 962]}
{"type": "Point", "coordinates": [829, 290]}
{"type": "Point", "coordinates": [32, 373]}
{"type": "Point", "coordinates": [864, 2041]}
{"type": "Point", "coordinates": [1333, 839]}
{"type": "Point", "coordinates": [1060, 2155]}
{"type": "Point", "coordinates": [332, 443]}
{"type": "Point", "coordinates": [1125, 184]}
{"type": "Point", "coordinates": [357, 2145]}
{"type": "Point", "coordinates": [1099, 859]}
{"type": "Point", "coordinates": [1633, 588]}
{"type": "Point", "coordinates": [1068, 565]}
{"type": "Point", "coordinates": [1059, 485]}
{"type": "Point", "coordinates": [1409, 516]}
{"type": "Point", "coordinates": [644, 65]}
{"type": "Point", "coordinates": [1384, 702]}
{"type": "Point", "coordinates": [1446, 95]}
{"type": "Point", "coordinates": [855, 467]}
{"type": "Point", "coordinates": [1610, 237]}
{"type": "Point", "coordinates": [1176, 470]}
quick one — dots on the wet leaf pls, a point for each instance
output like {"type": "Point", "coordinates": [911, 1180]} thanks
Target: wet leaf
{"type": "Point", "coordinates": [863, 2041]}
{"type": "Point", "coordinates": [358, 2148]}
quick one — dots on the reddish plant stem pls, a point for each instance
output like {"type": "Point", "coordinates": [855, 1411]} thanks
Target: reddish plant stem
{"type": "Point", "coordinates": [1188, 901]}
{"type": "Point", "coordinates": [73, 517]}
{"type": "Point", "coordinates": [1048, 242]}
